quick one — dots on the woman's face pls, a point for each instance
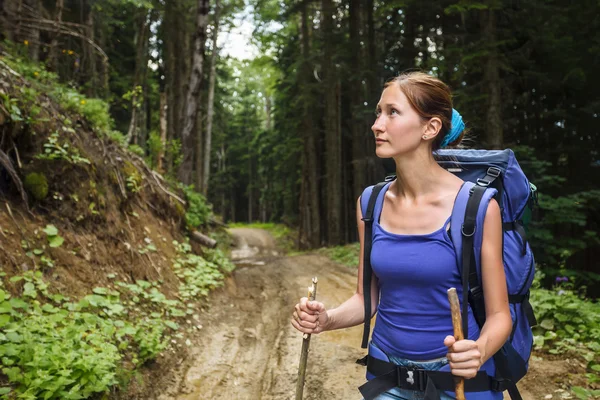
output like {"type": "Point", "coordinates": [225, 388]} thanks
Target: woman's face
{"type": "Point", "coordinates": [398, 128]}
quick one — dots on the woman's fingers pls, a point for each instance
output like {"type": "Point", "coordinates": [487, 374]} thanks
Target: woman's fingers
{"type": "Point", "coordinates": [306, 316]}
{"type": "Point", "coordinates": [464, 357]}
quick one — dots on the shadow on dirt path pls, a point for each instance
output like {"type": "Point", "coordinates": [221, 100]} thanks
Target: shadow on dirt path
{"type": "Point", "coordinates": [249, 350]}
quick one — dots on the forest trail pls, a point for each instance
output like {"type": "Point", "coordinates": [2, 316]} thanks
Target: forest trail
{"type": "Point", "coordinates": [249, 350]}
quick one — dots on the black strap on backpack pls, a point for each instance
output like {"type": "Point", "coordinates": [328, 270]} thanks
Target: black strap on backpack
{"type": "Point", "coordinates": [474, 294]}
{"type": "Point", "coordinates": [367, 270]}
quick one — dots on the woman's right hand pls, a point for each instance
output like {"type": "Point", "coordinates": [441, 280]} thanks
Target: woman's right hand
{"type": "Point", "coordinates": [309, 316]}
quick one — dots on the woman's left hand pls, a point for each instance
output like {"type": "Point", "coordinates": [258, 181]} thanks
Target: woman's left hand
{"type": "Point", "coordinates": [465, 357]}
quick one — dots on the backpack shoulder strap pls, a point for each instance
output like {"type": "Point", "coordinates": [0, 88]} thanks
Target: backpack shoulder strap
{"type": "Point", "coordinates": [466, 228]}
{"type": "Point", "coordinates": [368, 200]}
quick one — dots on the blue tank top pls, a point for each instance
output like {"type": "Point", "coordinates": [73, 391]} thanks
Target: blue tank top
{"type": "Point", "coordinates": [414, 273]}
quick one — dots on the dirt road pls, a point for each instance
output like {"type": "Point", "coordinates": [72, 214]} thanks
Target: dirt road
{"type": "Point", "coordinates": [248, 349]}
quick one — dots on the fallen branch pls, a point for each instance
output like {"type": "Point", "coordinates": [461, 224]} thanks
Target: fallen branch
{"type": "Point", "coordinates": [65, 31]}
{"type": "Point", "coordinates": [156, 175]}
{"type": "Point", "coordinates": [204, 240]}
{"type": "Point", "coordinates": [7, 164]}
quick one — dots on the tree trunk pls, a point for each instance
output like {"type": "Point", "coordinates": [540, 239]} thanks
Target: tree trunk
{"type": "Point", "coordinates": [177, 68]}
{"type": "Point", "coordinates": [88, 63]}
{"type": "Point", "coordinates": [358, 162]}
{"type": "Point", "coordinates": [493, 132]}
{"type": "Point", "coordinates": [199, 144]}
{"type": "Point", "coordinates": [8, 20]}
{"type": "Point", "coordinates": [333, 143]}
{"type": "Point", "coordinates": [211, 102]}
{"type": "Point", "coordinates": [373, 164]}
{"type": "Point", "coordinates": [191, 107]}
{"type": "Point", "coordinates": [53, 53]}
{"type": "Point", "coordinates": [32, 9]}
{"type": "Point", "coordinates": [142, 36]}
{"type": "Point", "coordinates": [163, 131]}
{"type": "Point", "coordinates": [310, 209]}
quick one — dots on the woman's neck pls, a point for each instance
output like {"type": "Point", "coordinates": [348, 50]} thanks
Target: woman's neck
{"type": "Point", "coordinates": [417, 175]}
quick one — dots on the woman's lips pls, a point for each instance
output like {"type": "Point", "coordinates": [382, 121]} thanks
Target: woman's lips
{"type": "Point", "coordinates": [380, 141]}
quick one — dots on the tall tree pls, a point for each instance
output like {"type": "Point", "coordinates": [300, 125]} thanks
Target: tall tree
{"type": "Point", "coordinates": [142, 35]}
{"type": "Point", "coordinates": [53, 52]}
{"type": "Point", "coordinates": [310, 208]}
{"type": "Point", "coordinates": [359, 164]}
{"type": "Point", "coordinates": [494, 137]}
{"type": "Point", "coordinates": [211, 101]}
{"type": "Point", "coordinates": [333, 142]}
{"type": "Point", "coordinates": [191, 108]}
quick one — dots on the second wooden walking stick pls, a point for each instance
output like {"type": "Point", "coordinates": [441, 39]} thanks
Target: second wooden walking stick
{"type": "Point", "coordinates": [312, 294]}
{"type": "Point", "coordinates": [458, 335]}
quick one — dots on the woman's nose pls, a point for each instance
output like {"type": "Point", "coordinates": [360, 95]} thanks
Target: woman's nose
{"type": "Point", "coordinates": [378, 125]}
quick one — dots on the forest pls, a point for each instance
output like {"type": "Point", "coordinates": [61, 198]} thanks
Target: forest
{"type": "Point", "coordinates": [282, 135]}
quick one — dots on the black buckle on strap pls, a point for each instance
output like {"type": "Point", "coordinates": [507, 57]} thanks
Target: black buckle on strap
{"type": "Point", "coordinates": [412, 379]}
{"type": "Point", "coordinates": [500, 385]}
{"type": "Point", "coordinates": [494, 171]}
{"type": "Point", "coordinates": [476, 291]}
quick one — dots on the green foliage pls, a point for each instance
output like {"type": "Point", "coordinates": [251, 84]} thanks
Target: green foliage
{"type": "Point", "coordinates": [36, 184]}
{"type": "Point", "coordinates": [96, 111]}
{"type": "Point", "coordinates": [133, 177]}
{"type": "Point", "coordinates": [218, 257]}
{"type": "Point", "coordinates": [11, 105]}
{"type": "Point", "coordinates": [134, 94]}
{"type": "Point", "coordinates": [197, 274]}
{"type": "Point", "coordinates": [346, 255]}
{"type": "Point", "coordinates": [564, 213]}
{"type": "Point", "coordinates": [54, 150]}
{"type": "Point", "coordinates": [568, 323]}
{"type": "Point", "coordinates": [53, 348]}
{"type": "Point", "coordinates": [56, 350]}
{"type": "Point", "coordinates": [136, 149]}
{"type": "Point", "coordinates": [54, 239]}
{"type": "Point", "coordinates": [199, 211]}
{"type": "Point", "coordinates": [155, 147]}
{"type": "Point", "coordinates": [173, 152]}
{"type": "Point", "coordinates": [117, 137]}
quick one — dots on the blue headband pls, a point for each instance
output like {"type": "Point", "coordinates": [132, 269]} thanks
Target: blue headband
{"type": "Point", "coordinates": [457, 126]}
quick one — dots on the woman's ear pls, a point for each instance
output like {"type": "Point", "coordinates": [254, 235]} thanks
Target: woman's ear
{"type": "Point", "coordinates": [432, 128]}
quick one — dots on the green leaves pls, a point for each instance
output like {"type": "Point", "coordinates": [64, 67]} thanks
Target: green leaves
{"type": "Point", "coordinates": [568, 323]}
{"type": "Point", "coordinates": [54, 240]}
{"type": "Point", "coordinates": [51, 348]}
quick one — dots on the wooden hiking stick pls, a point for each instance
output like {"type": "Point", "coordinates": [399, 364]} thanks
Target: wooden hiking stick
{"type": "Point", "coordinates": [312, 294]}
{"type": "Point", "coordinates": [458, 335]}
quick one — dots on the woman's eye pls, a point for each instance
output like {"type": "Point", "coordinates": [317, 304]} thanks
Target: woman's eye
{"type": "Point", "coordinates": [377, 113]}
{"type": "Point", "coordinates": [394, 111]}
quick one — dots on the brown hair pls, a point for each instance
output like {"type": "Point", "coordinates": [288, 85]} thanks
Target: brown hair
{"type": "Point", "coordinates": [429, 97]}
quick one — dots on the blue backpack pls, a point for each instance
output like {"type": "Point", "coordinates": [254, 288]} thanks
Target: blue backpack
{"type": "Point", "coordinates": [487, 174]}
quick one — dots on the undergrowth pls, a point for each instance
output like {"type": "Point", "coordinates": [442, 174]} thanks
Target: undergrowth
{"type": "Point", "coordinates": [57, 347]}
{"type": "Point", "coordinates": [54, 347]}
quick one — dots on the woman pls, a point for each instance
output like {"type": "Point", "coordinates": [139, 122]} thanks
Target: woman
{"type": "Point", "coordinates": [413, 259]}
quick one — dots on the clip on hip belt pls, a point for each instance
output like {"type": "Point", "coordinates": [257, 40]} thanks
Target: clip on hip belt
{"type": "Point", "coordinates": [389, 375]}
